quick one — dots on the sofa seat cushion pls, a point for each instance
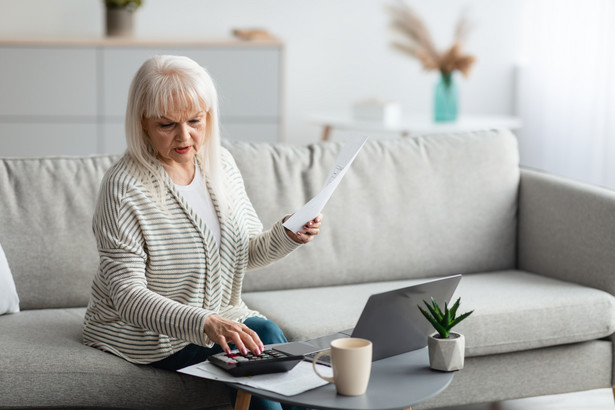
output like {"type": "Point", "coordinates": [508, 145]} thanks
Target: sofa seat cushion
{"type": "Point", "coordinates": [44, 364]}
{"type": "Point", "coordinates": [513, 310]}
{"type": "Point", "coordinates": [516, 310]}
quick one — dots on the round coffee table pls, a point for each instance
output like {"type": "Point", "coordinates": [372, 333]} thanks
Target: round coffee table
{"type": "Point", "coordinates": [397, 382]}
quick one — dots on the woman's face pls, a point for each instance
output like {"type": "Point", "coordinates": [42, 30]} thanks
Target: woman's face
{"type": "Point", "coordinates": [177, 136]}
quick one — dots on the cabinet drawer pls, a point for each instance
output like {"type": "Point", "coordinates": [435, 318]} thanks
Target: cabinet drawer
{"type": "Point", "coordinates": [49, 81]}
{"type": "Point", "coordinates": [247, 79]}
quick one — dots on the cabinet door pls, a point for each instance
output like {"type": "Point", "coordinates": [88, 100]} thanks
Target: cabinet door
{"type": "Point", "coordinates": [114, 137]}
{"type": "Point", "coordinates": [252, 132]}
{"type": "Point", "coordinates": [247, 80]}
{"type": "Point", "coordinates": [39, 82]}
{"type": "Point", "coordinates": [47, 139]}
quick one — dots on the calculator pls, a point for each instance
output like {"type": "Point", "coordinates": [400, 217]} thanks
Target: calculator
{"type": "Point", "coordinates": [270, 361]}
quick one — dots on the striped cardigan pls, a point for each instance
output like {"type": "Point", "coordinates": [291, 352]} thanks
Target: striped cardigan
{"type": "Point", "coordinates": [161, 272]}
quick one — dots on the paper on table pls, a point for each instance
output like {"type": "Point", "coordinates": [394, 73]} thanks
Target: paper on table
{"type": "Point", "coordinates": [301, 378]}
{"type": "Point", "coordinates": [311, 209]}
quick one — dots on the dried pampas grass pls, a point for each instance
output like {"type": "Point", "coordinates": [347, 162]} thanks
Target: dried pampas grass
{"type": "Point", "coordinates": [418, 43]}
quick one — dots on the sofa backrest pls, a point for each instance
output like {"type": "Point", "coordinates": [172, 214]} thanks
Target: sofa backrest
{"type": "Point", "coordinates": [407, 208]}
{"type": "Point", "coordinates": [46, 208]}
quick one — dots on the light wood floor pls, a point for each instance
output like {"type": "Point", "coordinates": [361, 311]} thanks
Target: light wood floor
{"type": "Point", "coordinates": [590, 400]}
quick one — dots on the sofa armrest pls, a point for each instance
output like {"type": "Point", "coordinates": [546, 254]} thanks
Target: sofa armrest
{"type": "Point", "coordinates": [566, 230]}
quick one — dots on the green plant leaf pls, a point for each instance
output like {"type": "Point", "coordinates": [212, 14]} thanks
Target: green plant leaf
{"type": "Point", "coordinates": [447, 317]}
{"type": "Point", "coordinates": [455, 307]}
{"type": "Point", "coordinates": [122, 4]}
{"type": "Point", "coordinates": [428, 316]}
{"type": "Point", "coordinates": [442, 331]}
{"type": "Point", "coordinates": [436, 308]}
{"type": "Point", "coordinates": [434, 313]}
{"type": "Point", "coordinates": [460, 318]}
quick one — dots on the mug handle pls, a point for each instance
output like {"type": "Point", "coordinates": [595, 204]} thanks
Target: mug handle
{"type": "Point", "coordinates": [318, 355]}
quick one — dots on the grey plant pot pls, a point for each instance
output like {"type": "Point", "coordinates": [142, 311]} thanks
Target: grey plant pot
{"type": "Point", "coordinates": [119, 22]}
{"type": "Point", "coordinates": [446, 354]}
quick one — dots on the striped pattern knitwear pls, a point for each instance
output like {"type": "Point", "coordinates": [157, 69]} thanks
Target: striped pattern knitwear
{"type": "Point", "coordinates": [161, 272]}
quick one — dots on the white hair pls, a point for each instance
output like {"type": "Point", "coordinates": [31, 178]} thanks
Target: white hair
{"type": "Point", "coordinates": [164, 84]}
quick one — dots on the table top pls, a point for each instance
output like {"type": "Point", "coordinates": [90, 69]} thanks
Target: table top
{"type": "Point", "coordinates": [417, 123]}
{"type": "Point", "coordinates": [395, 383]}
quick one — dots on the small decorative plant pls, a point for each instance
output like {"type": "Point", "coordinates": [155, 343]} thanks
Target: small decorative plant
{"type": "Point", "coordinates": [443, 321]}
{"type": "Point", "coordinates": [123, 4]}
{"type": "Point", "coordinates": [119, 17]}
{"type": "Point", "coordinates": [416, 41]}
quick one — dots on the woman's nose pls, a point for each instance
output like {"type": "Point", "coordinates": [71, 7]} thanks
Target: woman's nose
{"type": "Point", "coordinates": [183, 132]}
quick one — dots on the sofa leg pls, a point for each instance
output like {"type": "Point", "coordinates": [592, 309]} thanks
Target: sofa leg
{"type": "Point", "coordinates": [243, 400]}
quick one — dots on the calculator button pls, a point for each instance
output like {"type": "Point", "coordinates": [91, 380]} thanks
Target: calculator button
{"type": "Point", "coordinates": [227, 359]}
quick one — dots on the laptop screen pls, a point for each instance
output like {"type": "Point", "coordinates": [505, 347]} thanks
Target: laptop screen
{"type": "Point", "coordinates": [393, 322]}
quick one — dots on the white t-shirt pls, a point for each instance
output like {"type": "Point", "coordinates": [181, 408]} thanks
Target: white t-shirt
{"type": "Point", "coordinates": [197, 196]}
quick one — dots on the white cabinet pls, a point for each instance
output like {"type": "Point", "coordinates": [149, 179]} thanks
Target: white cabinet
{"type": "Point", "coordinates": [34, 139]}
{"type": "Point", "coordinates": [69, 98]}
{"type": "Point", "coordinates": [48, 82]}
{"type": "Point", "coordinates": [48, 101]}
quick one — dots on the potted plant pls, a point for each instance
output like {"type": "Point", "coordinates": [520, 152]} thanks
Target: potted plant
{"type": "Point", "coordinates": [415, 40]}
{"type": "Point", "coordinates": [446, 348]}
{"type": "Point", "coordinates": [119, 17]}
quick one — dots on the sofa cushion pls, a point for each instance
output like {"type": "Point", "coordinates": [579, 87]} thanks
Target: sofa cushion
{"type": "Point", "coordinates": [44, 364]}
{"type": "Point", "coordinates": [46, 227]}
{"type": "Point", "coordinates": [9, 300]}
{"type": "Point", "coordinates": [407, 208]}
{"type": "Point", "coordinates": [513, 310]}
{"type": "Point", "coordinates": [517, 310]}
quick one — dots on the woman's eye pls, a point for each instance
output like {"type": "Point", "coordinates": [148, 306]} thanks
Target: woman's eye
{"type": "Point", "coordinates": [166, 125]}
{"type": "Point", "coordinates": [195, 121]}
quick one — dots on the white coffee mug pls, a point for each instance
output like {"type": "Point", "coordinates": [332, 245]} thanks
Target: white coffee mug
{"type": "Point", "coordinates": [351, 360]}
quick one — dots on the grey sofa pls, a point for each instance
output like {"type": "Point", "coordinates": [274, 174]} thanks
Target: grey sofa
{"type": "Point", "coordinates": [536, 253]}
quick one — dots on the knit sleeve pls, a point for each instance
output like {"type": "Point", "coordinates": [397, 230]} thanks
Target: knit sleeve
{"type": "Point", "coordinates": [264, 247]}
{"type": "Point", "coordinates": [117, 226]}
{"type": "Point", "coordinates": [270, 246]}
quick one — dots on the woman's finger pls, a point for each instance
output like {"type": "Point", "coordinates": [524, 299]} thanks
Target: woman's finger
{"type": "Point", "coordinates": [250, 340]}
{"type": "Point", "coordinates": [222, 342]}
{"type": "Point", "coordinates": [224, 332]}
{"type": "Point", "coordinates": [257, 340]}
{"type": "Point", "coordinates": [304, 237]}
{"type": "Point", "coordinates": [236, 340]}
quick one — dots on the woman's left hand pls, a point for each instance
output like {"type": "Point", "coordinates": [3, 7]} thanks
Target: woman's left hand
{"type": "Point", "coordinates": [311, 228]}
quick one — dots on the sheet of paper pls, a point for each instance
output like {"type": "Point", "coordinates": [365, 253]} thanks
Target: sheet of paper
{"type": "Point", "coordinates": [301, 378]}
{"type": "Point", "coordinates": [311, 209]}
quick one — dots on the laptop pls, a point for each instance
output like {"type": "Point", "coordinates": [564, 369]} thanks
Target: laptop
{"type": "Point", "coordinates": [390, 320]}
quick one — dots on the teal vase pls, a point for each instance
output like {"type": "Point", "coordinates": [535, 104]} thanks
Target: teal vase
{"type": "Point", "coordinates": [445, 99]}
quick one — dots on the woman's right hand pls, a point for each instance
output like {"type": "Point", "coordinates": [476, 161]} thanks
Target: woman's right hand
{"type": "Point", "coordinates": [224, 331]}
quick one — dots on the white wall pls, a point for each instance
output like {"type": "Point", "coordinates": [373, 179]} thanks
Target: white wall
{"type": "Point", "coordinates": [337, 52]}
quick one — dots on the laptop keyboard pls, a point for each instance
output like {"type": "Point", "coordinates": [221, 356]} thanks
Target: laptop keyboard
{"type": "Point", "coordinates": [324, 360]}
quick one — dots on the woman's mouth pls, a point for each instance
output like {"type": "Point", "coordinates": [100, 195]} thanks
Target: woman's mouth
{"type": "Point", "coordinates": [182, 150]}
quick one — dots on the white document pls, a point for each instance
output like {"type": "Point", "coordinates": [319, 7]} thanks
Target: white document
{"type": "Point", "coordinates": [310, 210]}
{"type": "Point", "coordinates": [301, 378]}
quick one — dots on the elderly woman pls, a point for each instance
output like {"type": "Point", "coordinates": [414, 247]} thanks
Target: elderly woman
{"type": "Point", "coordinates": [176, 231]}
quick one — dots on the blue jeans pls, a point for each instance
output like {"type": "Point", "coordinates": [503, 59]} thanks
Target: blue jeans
{"type": "Point", "coordinates": [268, 332]}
